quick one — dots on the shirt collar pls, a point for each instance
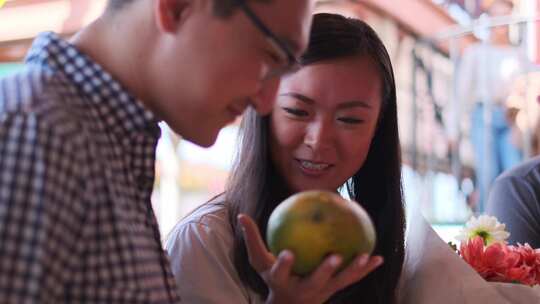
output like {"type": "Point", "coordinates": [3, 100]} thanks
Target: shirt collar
{"type": "Point", "coordinates": [122, 112]}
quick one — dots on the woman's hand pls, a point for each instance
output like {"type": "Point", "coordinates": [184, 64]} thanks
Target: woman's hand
{"type": "Point", "coordinates": [286, 287]}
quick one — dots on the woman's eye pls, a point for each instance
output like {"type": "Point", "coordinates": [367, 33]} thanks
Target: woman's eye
{"type": "Point", "coordinates": [351, 120]}
{"type": "Point", "coordinates": [296, 112]}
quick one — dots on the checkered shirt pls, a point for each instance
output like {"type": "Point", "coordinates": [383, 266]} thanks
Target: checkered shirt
{"type": "Point", "coordinates": [77, 158]}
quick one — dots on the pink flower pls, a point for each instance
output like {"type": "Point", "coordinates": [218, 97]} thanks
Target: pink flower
{"type": "Point", "coordinates": [472, 252]}
{"type": "Point", "coordinates": [502, 263]}
{"type": "Point", "coordinates": [484, 248]}
{"type": "Point", "coordinates": [525, 270]}
{"type": "Point", "coordinates": [537, 252]}
{"type": "Point", "coordinates": [489, 263]}
{"type": "Point", "coordinates": [521, 274]}
{"type": "Point", "coordinates": [496, 261]}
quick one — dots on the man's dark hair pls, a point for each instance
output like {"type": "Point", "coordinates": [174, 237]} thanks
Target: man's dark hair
{"type": "Point", "coordinates": [222, 8]}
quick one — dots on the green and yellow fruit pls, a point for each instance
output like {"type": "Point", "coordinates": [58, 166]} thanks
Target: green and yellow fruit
{"type": "Point", "coordinates": [316, 224]}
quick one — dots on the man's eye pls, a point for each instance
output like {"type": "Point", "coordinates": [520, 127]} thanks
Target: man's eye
{"type": "Point", "coordinates": [275, 58]}
{"type": "Point", "coordinates": [296, 112]}
{"type": "Point", "coordinates": [351, 120]}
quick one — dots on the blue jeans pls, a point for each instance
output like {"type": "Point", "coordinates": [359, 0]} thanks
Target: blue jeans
{"type": "Point", "coordinates": [493, 149]}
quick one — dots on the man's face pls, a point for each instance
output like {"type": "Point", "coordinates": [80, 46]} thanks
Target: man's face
{"type": "Point", "coordinates": [211, 69]}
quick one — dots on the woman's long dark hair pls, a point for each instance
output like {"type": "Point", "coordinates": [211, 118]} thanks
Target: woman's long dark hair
{"type": "Point", "coordinates": [256, 188]}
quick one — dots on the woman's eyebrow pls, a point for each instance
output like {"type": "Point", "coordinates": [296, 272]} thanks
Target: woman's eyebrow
{"type": "Point", "coordinates": [354, 104]}
{"type": "Point", "coordinates": [300, 97]}
{"type": "Point", "coordinates": [343, 105]}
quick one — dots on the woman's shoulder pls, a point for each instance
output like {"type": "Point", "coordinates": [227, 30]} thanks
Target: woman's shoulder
{"type": "Point", "coordinates": [211, 213]}
{"type": "Point", "coordinates": [209, 218]}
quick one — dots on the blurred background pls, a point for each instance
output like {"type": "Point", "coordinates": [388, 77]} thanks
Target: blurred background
{"type": "Point", "coordinates": [428, 41]}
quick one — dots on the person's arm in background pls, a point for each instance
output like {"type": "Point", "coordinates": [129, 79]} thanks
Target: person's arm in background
{"type": "Point", "coordinates": [514, 200]}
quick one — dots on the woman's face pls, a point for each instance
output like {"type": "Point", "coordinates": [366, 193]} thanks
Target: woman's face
{"type": "Point", "coordinates": [323, 122]}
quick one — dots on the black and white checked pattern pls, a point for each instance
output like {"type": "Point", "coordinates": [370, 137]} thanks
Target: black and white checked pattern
{"type": "Point", "coordinates": [77, 159]}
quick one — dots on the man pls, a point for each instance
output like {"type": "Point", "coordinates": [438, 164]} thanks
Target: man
{"type": "Point", "coordinates": [515, 200]}
{"type": "Point", "coordinates": [78, 130]}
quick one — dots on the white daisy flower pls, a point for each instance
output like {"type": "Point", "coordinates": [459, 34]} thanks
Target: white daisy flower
{"type": "Point", "coordinates": [486, 227]}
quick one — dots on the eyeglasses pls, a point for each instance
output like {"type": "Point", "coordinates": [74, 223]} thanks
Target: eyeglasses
{"type": "Point", "coordinates": [280, 47]}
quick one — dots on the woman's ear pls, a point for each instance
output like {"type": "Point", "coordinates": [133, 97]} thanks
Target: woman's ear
{"type": "Point", "coordinates": [170, 14]}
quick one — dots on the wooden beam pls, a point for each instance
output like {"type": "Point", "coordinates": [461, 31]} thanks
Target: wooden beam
{"type": "Point", "coordinates": [25, 19]}
{"type": "Point", "coordinates": [22, 20]}
{"type": "Point", "coordinates": [421, 18]}
{"type": "Point", "coordinates": [14, 52]}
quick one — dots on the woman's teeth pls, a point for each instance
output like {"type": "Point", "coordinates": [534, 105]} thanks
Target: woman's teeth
{"type": "Point", "coordinates": [313, 166]}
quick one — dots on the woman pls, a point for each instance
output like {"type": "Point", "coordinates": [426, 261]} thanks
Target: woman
{"type": "Point", "coordinates": [334, 123]}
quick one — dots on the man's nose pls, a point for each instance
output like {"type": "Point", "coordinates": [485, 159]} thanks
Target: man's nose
{"type": "Point", "coordinates": [265, 98]}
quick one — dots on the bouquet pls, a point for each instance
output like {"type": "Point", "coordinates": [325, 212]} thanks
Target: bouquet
{"type": "Point", "coordinates": [484, 248]}
{"type": "Point", "coordinates": [434, 273]}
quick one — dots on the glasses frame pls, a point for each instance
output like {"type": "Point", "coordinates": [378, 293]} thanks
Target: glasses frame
{"type": "Point", "coordinates": [292, 62]}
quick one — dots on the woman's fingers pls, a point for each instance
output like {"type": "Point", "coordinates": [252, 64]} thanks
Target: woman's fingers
{"type": "Point", "coordinates": [259, 257]}
{"type": "Point", "coordinates": [322, 283]}
{"type": "Point", "coordinates": [357, 270]}
{"type": "Point", "coordinates": [319, 278]}
{"type": "Point", "coordinates": [280, 272]}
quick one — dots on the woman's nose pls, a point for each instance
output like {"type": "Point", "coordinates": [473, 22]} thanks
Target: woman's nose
{"type": "Point", "coordinates": [319, 135]}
